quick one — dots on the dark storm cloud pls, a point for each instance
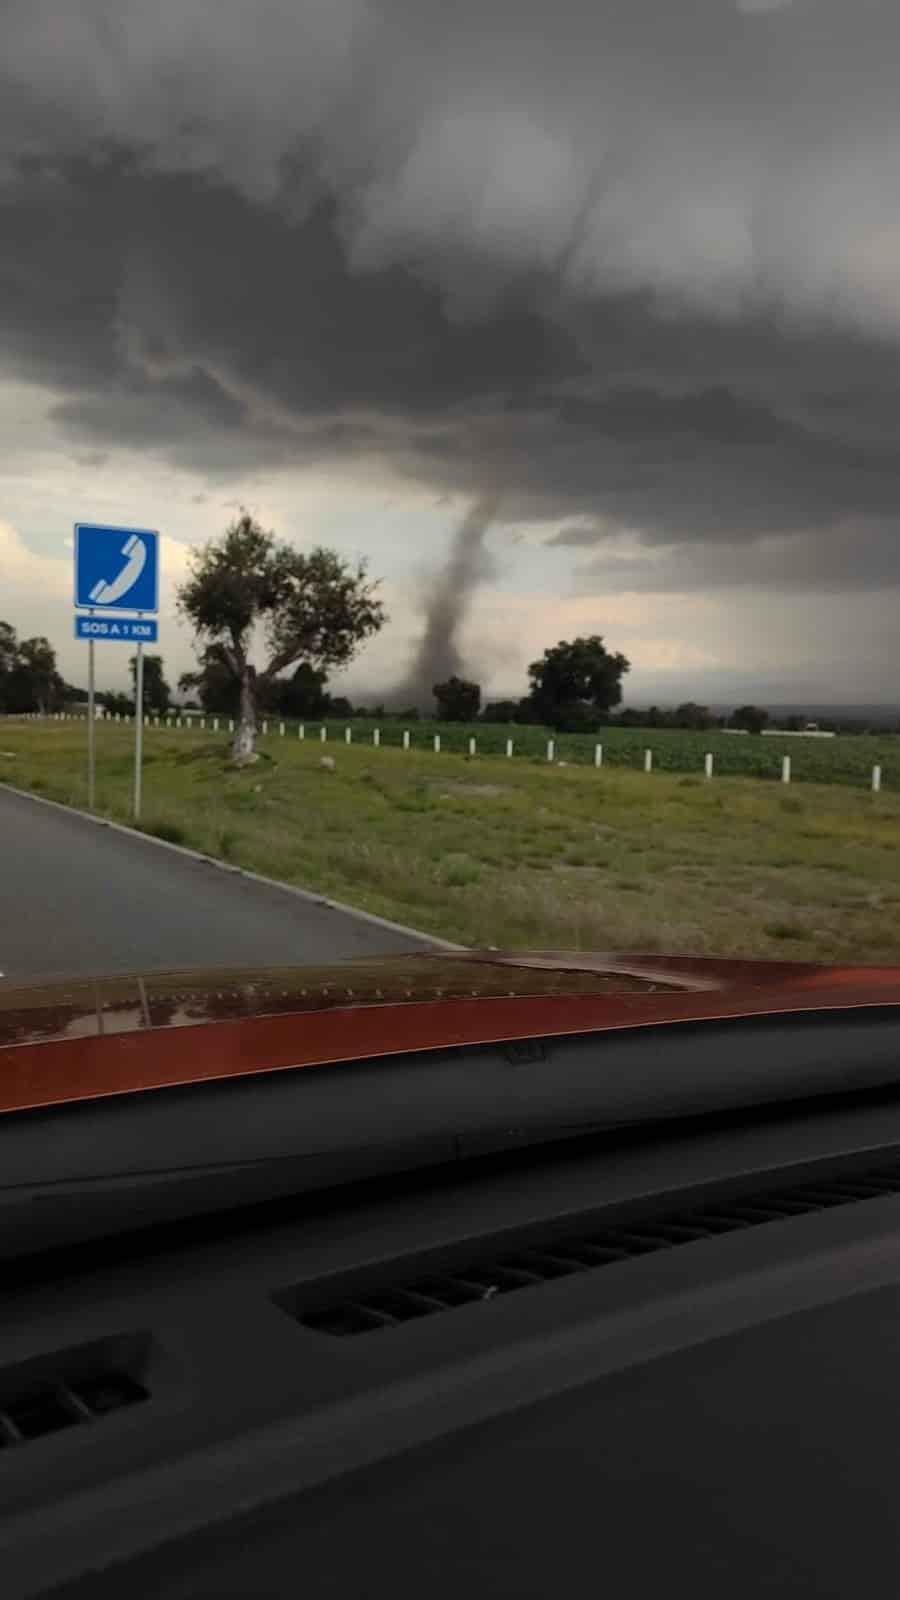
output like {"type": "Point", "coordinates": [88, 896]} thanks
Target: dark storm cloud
{"type": "Point", "coordinates": [636, 265]}
{"type": "Point", "coordinates": [861, 556]}
{"type": "Point", "coordinates": [147, 298]}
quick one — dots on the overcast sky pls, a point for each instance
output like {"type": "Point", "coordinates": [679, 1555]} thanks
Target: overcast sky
{"type": "Point", "coordinates": [630, 266]}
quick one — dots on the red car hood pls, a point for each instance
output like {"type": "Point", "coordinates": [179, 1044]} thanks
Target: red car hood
{"type": "Point", "coordinates": [81, 1040]}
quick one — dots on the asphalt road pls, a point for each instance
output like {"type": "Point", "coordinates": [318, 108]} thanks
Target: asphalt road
{"type": "Point", "coordinates": [79, 900]}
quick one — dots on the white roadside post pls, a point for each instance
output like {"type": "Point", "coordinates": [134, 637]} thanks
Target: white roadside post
{"type": "Point", "coordinates": [876, 779]}
{"type": "Point", "coordinates": [471, 747]}
{"type": "Point", "coordinates": [509, 747]}
{"type": "Point", "coordinates": [265, 727]}
{"type": "Point", "coordinates": [323, 733]}
{"type": "Point", "coordinates": [648, 760]}
{"type": "Point", "coordinates": [301, 731]}
{"type": "Point", "coordinates": [551, 749]}
{"type": "Point", "coordinates": [708, 764]}
{"type": "Point", "coordinates": [437, 744]}
{"type": "Point", "coordinates": [406, 738]}
{"type": "Point", "coordinates": [598, 755]}
{"type": "Point", "coordinates": [376, 737]}
{"type": "Point", "coordinates": [348, 735]}
{"type": "Point", "coordinates": [785, 769]}
{"type": "Point", "coordinates": [231, 724]}
{"type": "Point", "coordinates": [215, 724]}
{"type": "Point", "coordinates": [281, 729]}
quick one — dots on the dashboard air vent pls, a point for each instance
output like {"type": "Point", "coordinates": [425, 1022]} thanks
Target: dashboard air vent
{"type": "Point", "coordinates": [36, 1412]}
{"type": "Point", "coordinates": [531, 1259]}
{"type": "Point", "coordinates": [62, 1389]}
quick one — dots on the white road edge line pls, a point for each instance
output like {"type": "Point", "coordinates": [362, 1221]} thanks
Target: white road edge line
{"type": "Point", "coordinates": [308, 895]}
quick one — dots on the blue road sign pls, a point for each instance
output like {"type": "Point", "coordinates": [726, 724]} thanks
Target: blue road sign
{"type": "Point", "coordinates": [116, 569]}
{"type": "Point", "coordinates": [131, 630]}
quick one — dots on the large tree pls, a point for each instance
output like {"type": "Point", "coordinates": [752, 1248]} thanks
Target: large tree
{"type": "Point", "coordinates": [752, 718]}
{"type": "Point", "coordinates": [116, 703]}
{"type": "Point", "coordinates": [303, 694]}
{"type": "Point", "coordinates": [500, 711]}
{"type": "Point", "coordinates": [310, 607]}
{"type": "Point", "coordinates": [9, 646]}
{"type": "Point", "coordinates": [156, 691]}
{"type": "Point", "coordinates": [575, 683]}
{"type": "Point", "coordinates": [690, 715]}
{"type": "Point", "coordinates": [215, 686]}
{"type": "Point", "coordinates": [29, 680]}
{"type": "Point", "coordinates": [37, 658]}
{"type": "Point", "coordinates": [457, 699]}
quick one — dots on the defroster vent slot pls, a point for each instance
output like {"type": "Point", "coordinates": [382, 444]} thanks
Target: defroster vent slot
{"type": "Point", "coordinates": [406, 1291]}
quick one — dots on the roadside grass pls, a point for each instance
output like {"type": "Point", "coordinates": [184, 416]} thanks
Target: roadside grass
{"type": "Point", "coordinates": [493, 852]}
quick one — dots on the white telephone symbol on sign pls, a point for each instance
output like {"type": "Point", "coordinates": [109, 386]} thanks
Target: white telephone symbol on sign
{"type": "Point", "coordinates": [103, 593]}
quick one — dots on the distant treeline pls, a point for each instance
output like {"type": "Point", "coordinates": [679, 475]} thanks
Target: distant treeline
{"type": "Point", "coordinates": [574, 689]}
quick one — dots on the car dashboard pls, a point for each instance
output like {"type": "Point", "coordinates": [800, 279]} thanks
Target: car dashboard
{"type": "Point", "coordinates": [657, 1355]}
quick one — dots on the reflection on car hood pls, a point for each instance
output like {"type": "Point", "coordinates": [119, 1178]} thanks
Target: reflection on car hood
{"type": "Point", "coordinates": [74, 1040]}
{"type": "Point", "coordinates": [99, 1007]}
{"type": "Point", "coordinates": [169, 1000]}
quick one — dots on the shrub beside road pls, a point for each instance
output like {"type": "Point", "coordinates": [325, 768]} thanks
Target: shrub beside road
{"type": "Point", "coordinates": [492, 851]}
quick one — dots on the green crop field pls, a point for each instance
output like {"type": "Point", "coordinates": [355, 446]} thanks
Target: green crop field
{"type": "Point", "coordinates": [511, 853]}
{"type": "Point", "coordinates": [844, 759]}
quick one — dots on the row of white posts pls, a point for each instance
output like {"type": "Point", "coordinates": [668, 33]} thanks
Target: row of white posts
{"type": "Point", "coordinates": [180, 722]}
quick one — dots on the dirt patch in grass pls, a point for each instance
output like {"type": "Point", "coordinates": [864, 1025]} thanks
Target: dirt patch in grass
{"type": "Point", "coordinates": [474, 790]}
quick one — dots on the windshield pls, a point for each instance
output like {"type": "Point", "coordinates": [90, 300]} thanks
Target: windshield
{"type": "Point", "coordinates": [449, 497]}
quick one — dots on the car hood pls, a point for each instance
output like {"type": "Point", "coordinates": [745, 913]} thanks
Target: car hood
{"type": "Point", "coordinates": [77, 1040]}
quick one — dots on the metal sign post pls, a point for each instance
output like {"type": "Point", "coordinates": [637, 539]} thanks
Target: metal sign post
{"type": "Point", "coordinates": [138, 728]}
{"type": "Point", "coordinates": [116, 571]}
{"type": "Point", "coordinates": [91, 718]}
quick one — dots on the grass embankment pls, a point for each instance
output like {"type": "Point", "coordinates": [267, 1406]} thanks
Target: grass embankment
{"type": "Point", "coordinates": [513, 853]}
